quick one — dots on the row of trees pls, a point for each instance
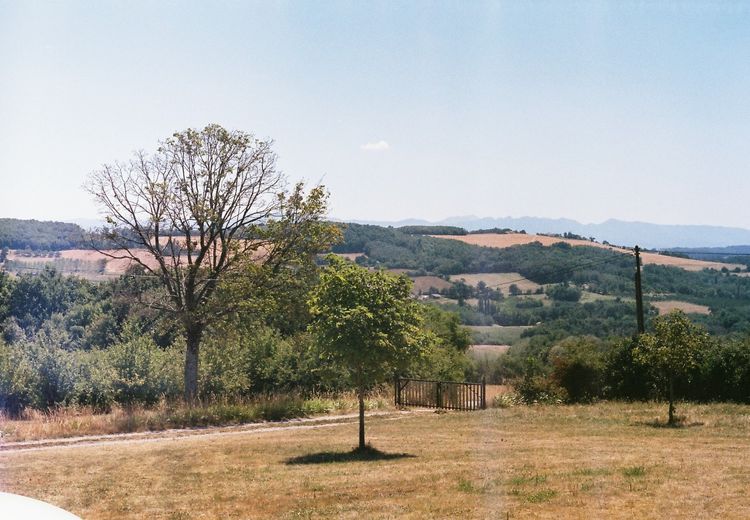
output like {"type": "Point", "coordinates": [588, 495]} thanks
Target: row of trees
{"type": "Point", "coordinates": [675, 359]}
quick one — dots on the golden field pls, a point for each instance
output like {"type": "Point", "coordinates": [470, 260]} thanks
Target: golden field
{"type": "Point", "coordinates": [515, 239]}
{"type": "Point", "coordinates": [608, 460]}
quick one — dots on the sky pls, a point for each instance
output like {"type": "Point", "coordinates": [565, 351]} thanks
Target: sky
{"type": "Point", "coordinates": [594, 110]}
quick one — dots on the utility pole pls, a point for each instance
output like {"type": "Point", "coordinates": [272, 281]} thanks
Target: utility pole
{"type": "Point", "coordinates": [639, 291]}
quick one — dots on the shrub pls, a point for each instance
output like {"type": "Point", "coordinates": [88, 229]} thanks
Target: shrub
{"type": "Point", "coordinates": [143, 372]}
{"type": "Point", "coordinates": [535, 388]}
{"type": "Point", "coordinates": [578, 368]}
{"type": "Point", "coordinates": [18, 380]}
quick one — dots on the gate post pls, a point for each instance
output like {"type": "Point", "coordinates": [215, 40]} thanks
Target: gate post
{"type": "Point", "coordinates": [439, 396]}
{"type": "Point", "coordinates": [484, 393]}
{"type": "Point", "coordinates": [396, 391]}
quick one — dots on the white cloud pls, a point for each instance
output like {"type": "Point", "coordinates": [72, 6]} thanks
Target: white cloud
{"type": "Point", "coordinates": [379, 146]}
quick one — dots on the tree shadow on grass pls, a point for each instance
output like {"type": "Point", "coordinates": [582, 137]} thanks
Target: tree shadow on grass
{"type": "Point", "coordinates": [356, 455]}
{"type": "Point", "coordinates": [656, 423]}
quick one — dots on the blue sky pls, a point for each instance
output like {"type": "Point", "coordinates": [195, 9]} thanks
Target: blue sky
{"type": "Point", "coordinates": [591, 110]}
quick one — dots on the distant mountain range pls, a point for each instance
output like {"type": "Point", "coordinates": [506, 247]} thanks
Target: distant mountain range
{"type": "Point", "coordinates": [56, 235]}
{"type": "Point", "coordinates": [618, 232]}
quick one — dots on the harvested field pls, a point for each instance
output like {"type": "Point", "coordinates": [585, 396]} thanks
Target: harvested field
{"type": "Point", "coordinates": [609, 460]}
{"type": "Point", "coordinates": [515, 239]}
{"type": "Point", "coordinates": [686, 307]}
{"type": "Point", "coordinates": [422, 284]}
{"type": "Point", "coordinates": [88, 256]}
{"type": "Point", "coordinates": [497, 280]}
{"type": "Point", "coordinates": [350, 256]}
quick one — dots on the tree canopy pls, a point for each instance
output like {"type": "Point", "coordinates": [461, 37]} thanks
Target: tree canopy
{"type": "Point", "coordinates": [203, 208]}
{"type": "Point", "coordinates": [367, 322]}
{"type": "Point", "coordinates": [672, 350]}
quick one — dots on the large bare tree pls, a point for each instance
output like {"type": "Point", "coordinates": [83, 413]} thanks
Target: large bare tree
{"type": "Point", "coordinates": [208, 206]}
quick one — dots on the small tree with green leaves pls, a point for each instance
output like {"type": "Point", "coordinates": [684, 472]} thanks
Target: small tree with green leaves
{"type": "Point", "coordinates": [367, 322]}
{"type": "Point", "coordinates": [672, 350]}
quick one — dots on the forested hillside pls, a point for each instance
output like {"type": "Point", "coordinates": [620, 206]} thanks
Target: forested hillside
{"type": "Point", "coordinates": [595, 271]}
{"type": "Point", "coordinates": [40, 235]}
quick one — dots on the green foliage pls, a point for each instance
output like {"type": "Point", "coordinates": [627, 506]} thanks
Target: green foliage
{"type": "Point", "coordinates": [238, 361]}
{"type": "Point", "coordinates": [35, 297]}
{"type": "Point", "coordinates": [674, 348]}
{"type": "Point", "coordinates": [672, 351]}
{"type": "Point", "coordinates": [725, 372]}
{"type": "Point", "coordinates": [6, 289]}
{"type": "Point", "coordinates": [535, 387]}
{"type": "Point", "coordinates": [599, 318]}
{"type": "Point", "coordinates": [578, 368]}
{"type": "Point", "coordinates": [564, 292]}
{"type": "Point", "coordinates": [433, 230]}
{"type": "Point", "coordinates": [391, 248]}
{"type": "Point", "coordinates": [366, 321]}
{"type": "Point", "coordinates": [18, 380]}
{"type": "Point", "coordinates": [142, 372]}
{"type": "Point", "coordinates": [444, 355]}
{"type": "Point", "coordinates": [39, 374]}
{"type": "Point", "coordinates": [494, 369]}
{"type": "Point", "coordinates": [33, 234]}
{"type": "Point", "coordinates": [626, 378]}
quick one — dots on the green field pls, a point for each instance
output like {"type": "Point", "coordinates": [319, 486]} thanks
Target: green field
{"type": "Point", "coordinates": [496, 335]}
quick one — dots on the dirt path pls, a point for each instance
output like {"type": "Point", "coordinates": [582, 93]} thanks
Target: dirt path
{"type": "Point", "coordinates": [211, 431]}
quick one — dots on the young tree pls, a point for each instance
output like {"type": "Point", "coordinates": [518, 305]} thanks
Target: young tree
{"type": "Point", "coordinates": [367, 322]}
{"type": "Point", "coordinates": [206, 208]}
{"type": "Point", "coordinates": [673, 350]}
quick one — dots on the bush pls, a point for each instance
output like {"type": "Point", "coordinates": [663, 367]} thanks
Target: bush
{"type": "Point", "coordinates": [725, 374]}
{"type": "Point", "coordinates": [625, 378]}
{"type": "Point", "coordinates": [18, 380]}
{"type": "Point", "coordinates": [578, 368]}
{"type": "Point", "coordinates": [564, 293]}
{"type": "Point", "coordinates": [535, 388]}
{"type": "Point", "coordinates": [144, 373]}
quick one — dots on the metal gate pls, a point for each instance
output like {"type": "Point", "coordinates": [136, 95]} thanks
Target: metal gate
{"type": "Point", "coordinates": [450, 395]}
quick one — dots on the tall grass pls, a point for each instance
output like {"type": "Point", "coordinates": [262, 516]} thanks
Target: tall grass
{"type": "Point", "coordinates": [73, 421]}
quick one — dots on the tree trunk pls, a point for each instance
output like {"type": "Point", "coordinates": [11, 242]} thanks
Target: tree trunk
{"type": "Point", "coordinates": [671, 401]}
{"type": "Point", "coordinates": [193, 337]}
{"type": "Point", "coordinates": [361, 396]}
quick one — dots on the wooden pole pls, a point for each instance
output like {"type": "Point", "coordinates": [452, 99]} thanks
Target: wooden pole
{"type": "Point", "coordinates": [639, 292]}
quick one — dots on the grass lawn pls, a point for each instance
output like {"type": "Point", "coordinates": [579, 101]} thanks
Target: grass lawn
{"type": "Point", "coordinates": [600, 461]}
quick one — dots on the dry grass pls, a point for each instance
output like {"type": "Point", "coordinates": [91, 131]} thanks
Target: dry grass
{"type": "Point", "coordinates": [600, 461]}
{"type": "Point", "coordinates": [422, 284]}
{"type": "Point", "coordinates": [350, 256]}
{"type": "Point", "coordinates": [514, 239]}
{"type": "Point", "coordinates": [498, 280]}
{"type": "Point", "coordinates": [488, 349]}
{"type": "Point", "coordinates": [688, 308]}
{"type": "Point", "coordinates": [492, 391]}
{"type": "Point", "coordinates": [112, 267]}
{"type": "Point", "coordinates": [79, 421]}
